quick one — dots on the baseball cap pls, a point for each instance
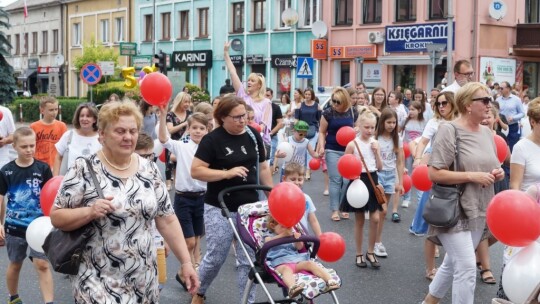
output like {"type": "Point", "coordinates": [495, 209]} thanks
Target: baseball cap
{"type": "Point", "coordinates": [301, 126]}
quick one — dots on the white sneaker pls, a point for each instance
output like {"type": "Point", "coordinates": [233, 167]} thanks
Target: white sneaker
{"type": "Point", "coordinates": [326, 193]}
{"type": "Point", "coordinates": [380, 250]}
{"type": "Point", "coordinates": [405, 204]}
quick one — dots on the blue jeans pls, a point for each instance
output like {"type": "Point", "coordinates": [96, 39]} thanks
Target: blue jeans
{"type": "Point", "coordinates": [419, 225]}
{"type": "Point", "coordinates": [336, 184]}
{"type": "Point", "coordinates": [273, 147]}
{"type": "Point", "coordinates": [313, 143]}
{"type": "Point", "coordinates": [514, 134]}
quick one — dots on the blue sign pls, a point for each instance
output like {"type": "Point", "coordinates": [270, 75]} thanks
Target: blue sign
{"type": "Point", "coordinates": [91, 73]}
{"type": "Point", "coordinates": [415, 37]}
{"type": "Point", "coordinates": [304, 67]}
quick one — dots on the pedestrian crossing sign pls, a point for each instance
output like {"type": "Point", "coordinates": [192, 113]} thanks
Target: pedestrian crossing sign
{"type": "Point", "coordinates": [304, 67]}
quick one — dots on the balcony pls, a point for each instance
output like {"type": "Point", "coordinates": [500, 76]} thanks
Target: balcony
{"type": "Point", "coordinates": [527, 40]}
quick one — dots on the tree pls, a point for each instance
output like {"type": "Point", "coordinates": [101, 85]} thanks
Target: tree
{"type": "Point", "coordinates": [94, 52]}
{"type": "Point", "coordinates": [7, 81]}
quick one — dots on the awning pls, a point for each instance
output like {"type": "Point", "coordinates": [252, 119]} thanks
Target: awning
{"type": "Point", "coordinates": [408, 60]}
{"type": "Point", "coordinates": [27, 74]}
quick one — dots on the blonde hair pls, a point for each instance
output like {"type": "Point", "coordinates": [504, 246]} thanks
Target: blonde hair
{"type": "Point", "coordinates": [365, 114]}
{"type": "Point", "coordinates": [261, 80]}
{"type": "Point", "coordinates": [465, 95]}
{"type": "Point", "coordinates": [45, 100]}
{"type": "Point", "coordinates": [342, 95]}
{"type": "Point", "coordinates": [203, 107]}
{"type": "Point", "coordinates": [111, 112]}
{"type": "Point", "coordinates": [533, 110]}
{"type": "Point", "coordinates": [179, 99]}
{"type": "Point", "coordinates": [22, 131]}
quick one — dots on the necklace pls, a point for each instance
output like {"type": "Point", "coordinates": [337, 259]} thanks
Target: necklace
{"type": "Point", "coordinates": [115, 167]}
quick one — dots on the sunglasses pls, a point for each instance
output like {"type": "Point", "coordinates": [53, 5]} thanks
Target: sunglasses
{"type": "Point", "coordinates": [486, 100]}
{"type": "Point", "coordinates": [442, 103]}
{"type": "Point", "coordinates": [237, 118]}
{"type": "Point", "coordinates": [336, 102]}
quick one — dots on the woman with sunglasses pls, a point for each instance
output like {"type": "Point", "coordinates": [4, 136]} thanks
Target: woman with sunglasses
{"type": "Point", "coordinates": [476, 150]}
{"type": "Point", "coordinates": [340, 114]}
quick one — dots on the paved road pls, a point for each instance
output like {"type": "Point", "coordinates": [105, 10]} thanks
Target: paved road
{"type": "Point", "coordinates": [400, 279]}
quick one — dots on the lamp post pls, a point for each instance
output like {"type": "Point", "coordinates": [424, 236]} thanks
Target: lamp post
{"type": "Point", "coordinates": [290, 18]}
{"type": "Point", "coordinates": [434, 50]}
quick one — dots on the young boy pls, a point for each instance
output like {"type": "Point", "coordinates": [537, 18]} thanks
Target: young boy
{"type": "Point", "coordinates": [300, 144]}
{"type": "Point", "coordinates": [294, 173]}
{"type": "Point", "coordinates": [189, 198]}
{"type": "Point", "coordinates": [21, 180]}
{"type": "Point", "coordinates": [48, 130]}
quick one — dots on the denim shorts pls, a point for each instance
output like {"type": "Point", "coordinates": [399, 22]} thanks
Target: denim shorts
{"type": "Point", "coordinates": [387, 179]}
{"type": "Point", "coordinates": [190, 214]}
{"type": "Point", "coordinates": [17, 248]}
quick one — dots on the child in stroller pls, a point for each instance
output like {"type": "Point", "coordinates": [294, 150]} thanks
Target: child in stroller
{"type": "Point", "coordinates": [287, 260]}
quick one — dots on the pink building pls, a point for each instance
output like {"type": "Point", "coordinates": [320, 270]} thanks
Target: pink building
{"type": "Point", "coordinates": [384, 42]}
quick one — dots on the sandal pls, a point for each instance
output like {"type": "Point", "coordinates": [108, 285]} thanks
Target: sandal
{"type": "Point", "coordinates": [335, 217]}
{"type": "Point", "coordinates": [198, 299]}
{"type": "Point", "coordinates": [345, 215]}
{"type": "Point", "coordinates": [360, 261]}
{"type": "Point", "coordinates": [374, 263]}
{"type": "Point", "coordinates": [181, 282]}
{"type": "Point", "coordinates": [331, 285]}
{"type": "Point", "coordinates": [296, 290]}
{"type": "Point", "coordinates": [396, 218]}
{"type": "Point", "coordinates": [489, 279]}
{"type": "Point", "coordinates": [430, 274]}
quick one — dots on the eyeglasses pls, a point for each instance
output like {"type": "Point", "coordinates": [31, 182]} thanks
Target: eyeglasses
{"type": "Point", "coordinates": [470, 74]}
{"type": "Point", "coordinates": [238, 118]}
{"type": "Point", "coordinates": [486, 100]}
{"type": "Point", "coordinates": [336, 102]}
{"type": "Point", "coordinates": [442, 103]}
{"type": "Point", "coordinates": [378, 95]}
{"type": "Point", "coordinates": [149, 156]}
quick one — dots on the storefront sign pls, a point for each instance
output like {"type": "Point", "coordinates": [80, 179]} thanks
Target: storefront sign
{"type": "Point", "coordinates": [415, 37]}
{"type": "Point", "coordinates": [33, 63]}
{"type": "Point", "coordinates": [47, 70]}
{"type": "Point", "coordinates": [192, 59]}
{"type": "Point", "coordinates": [319, 48]}
{"type": "Point", "coordinates": [128, 49]}
{"type": "Point", "coordinates": [283, 61]}
{"type": "Point", "coordinates": [497, 69]}
{"type": "Point", "coordinates": [139, 62]}
{"type": "Point", "coordinates": [372, 74]}
{"type": "Point", "coordinates": [237, 60]}
{"type": "Point", "coordinates": [255, 59]}
{"type": "Point", "coordinates": [354, 51]}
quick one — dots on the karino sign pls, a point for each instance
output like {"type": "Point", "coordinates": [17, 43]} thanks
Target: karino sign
{"type": "Point", "coordinates": [415, 37]}
{"type": "Point", "coordinates": [192, 59]}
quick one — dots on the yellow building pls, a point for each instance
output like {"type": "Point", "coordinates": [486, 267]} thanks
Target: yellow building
{"type": "Point", "coordinates": [109, 22]}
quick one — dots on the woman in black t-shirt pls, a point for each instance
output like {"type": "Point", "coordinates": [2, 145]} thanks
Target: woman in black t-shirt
{"type": "Point", "coordinates": [231, 155]}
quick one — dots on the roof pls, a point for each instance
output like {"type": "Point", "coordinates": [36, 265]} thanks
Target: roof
{"type": "Point", "coordinates": [29, 3]}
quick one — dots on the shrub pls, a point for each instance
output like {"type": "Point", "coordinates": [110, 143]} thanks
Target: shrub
{"type": "Point", "coordinates": [197, 94]}
{"type": "Point", "coordinates": [104, 90]}
{"type": "Point", "coordinates": [30, 108]}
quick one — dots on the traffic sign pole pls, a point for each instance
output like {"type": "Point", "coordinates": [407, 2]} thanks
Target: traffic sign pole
{"type": "Point", "coordinates": [91, 74]}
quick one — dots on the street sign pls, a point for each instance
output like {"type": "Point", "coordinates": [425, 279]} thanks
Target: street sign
{"type": "Point", "coordinates": [107, 67]}
{"type": "Point", "coordinates": [319, 48]}
{"type": "Point", "coordinates": [91, 73]}
{"type": "Point", "coordinates": [139, 62]}
{"type": "Point", "coordinates": [304, 67]}
{"type": "Point", "coordinates": [128, 49]}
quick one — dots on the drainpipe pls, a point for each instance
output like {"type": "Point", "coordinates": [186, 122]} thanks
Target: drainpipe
{"type": "Point", "coordinates": [246, 9]}
{"type": "Point", "coordinates": [449, 42]}
{"type": "Point", "coordinates": [63, 50]}
{"type": "Point", "coordinates": [268, 55]}
{"type": "Point", "coordinates": [475, 26]}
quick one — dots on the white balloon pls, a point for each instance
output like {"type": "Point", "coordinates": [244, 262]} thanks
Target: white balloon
{"type": "Point", "coordinates": [287, 148]}
{"type": "Point", "coordinates": [37, 231]}
{"type": "Point", "coordinates": [158, 147]}
{"type": "Point", "coordinates": [522, 274]}
{"type": "Point", "coordinates": [357, 194]}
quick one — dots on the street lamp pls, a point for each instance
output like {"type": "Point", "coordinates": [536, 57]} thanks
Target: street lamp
{"type": "Point", "coordinates": [434, 50]}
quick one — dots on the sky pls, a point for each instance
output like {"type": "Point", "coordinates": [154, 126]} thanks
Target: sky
{"type": "Point", "coordinates": [6, 2]}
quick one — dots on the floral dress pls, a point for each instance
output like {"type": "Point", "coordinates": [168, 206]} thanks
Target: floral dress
{"type": "Point", "coordinates": [119, 263]}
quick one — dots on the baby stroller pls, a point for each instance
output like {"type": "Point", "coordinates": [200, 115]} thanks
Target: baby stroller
{"type": "Point", "coordinates": [252, 230]}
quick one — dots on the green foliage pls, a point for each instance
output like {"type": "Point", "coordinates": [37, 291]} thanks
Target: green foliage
{"type": "Point", "coordinates": [5, 44]}
{"type": "Point", "coordinates": [104, 90]}
{"type": "Point", "coordinates": [197, 94]}
{"type": "Point", "coordinates": [94, 52]}
{"type": "Point", "coordinates": [7, 81]}
{"type": "Point", "coordinates": [30, 108]}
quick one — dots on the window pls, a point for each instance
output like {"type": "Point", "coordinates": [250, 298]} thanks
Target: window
{"type": "Point", "coordinates": [438, 9]}
{"type": "Point", "coordinates": [203, 22]}
{"type": "Point", "coordinates": [44, 42]}
{"type": "Point", "coordinates": [308, 12]}
{"type": "Point", "coordinates": [76, 38]}
{"type": "Point", "coordinates": [148, 28]}
{"type": "Point", "coordinates": [282, 5]}
{"type": "Point", "coordinates": [238, 17]}
{"type": "Point", "coordinates": [55, 40]}
{"type": "Point", "coordinates": [17, 44]}
{"type": "Point", "coordinates": [259, 8]}
{"type": "Point", "coordinates": [405, 10]}
{"type": "Point", "coordinates": [165, 26]}
{"type": "Point", "coordinates": [532, 11]}
{"type": "Point", "coordinates": [372, 11]}
{"type": "Point", "coordinates": [184, 24]}
{"type": "Point", "coordinates": [104, 34]}
{"type": "Point", "coordinates": [25, 48]}
{"type": "Point", "coordinates": [8, 37]}
{"type": "Point", "coordinates": [34, 43]}
{"type": "Point", "coordinates": [119, 31]}
{"type": "Point", "coordinates": [344, 12]}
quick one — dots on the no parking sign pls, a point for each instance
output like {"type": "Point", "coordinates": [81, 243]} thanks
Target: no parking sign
{"type": "Point", "coordinates": [91, 73]}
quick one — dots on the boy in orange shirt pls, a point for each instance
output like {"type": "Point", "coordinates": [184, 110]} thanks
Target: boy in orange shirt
{"type": "Point", "coordinates": [48, 130]}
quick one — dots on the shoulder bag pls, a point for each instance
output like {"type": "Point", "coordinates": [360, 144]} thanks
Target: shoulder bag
{"type": "Point", "coordinates": [65, 158]}
{"type": "Point", "coordinates": [378, 189]}
{"type": "Point", "coordinates": [64, 249]}
{"type": "Point", "coordinates": [442, 209]}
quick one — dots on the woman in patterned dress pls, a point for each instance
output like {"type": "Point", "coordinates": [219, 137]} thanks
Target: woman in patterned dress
{"type": "Point", "coordinates": [119, 263]}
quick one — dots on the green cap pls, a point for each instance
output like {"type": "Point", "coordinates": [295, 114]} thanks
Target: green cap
{"type": "Point", "coordinates": [301, 126]}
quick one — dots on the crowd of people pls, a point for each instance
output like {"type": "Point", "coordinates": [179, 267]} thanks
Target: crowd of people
{"type": "Point", "coordinates": [234, 141]}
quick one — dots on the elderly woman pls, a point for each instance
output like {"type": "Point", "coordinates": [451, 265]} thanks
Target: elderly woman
{"type": "Point", "coordinates": [81, 141]}
{"type": "Point", "coordinates": [477, 152]}
{"type": "Point", "coordinates": [341, 114]}
{"type": "Point", "coordinates": [119, 263]}
{"type": "Point", "coordinates": [228, 156]}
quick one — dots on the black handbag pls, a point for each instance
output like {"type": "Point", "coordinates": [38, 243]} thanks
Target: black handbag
{"type": "Point", "coordinates": [443, 208]}
{"type": "Point", "coordinates": [64, 249]}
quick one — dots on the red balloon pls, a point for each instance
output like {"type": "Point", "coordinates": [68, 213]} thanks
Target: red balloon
{"type": "Point", "coordinates": [314, 164]}
{"type": "Point", "coordinates": [406, 149]}
{"type": "Point", "coordinates": [256, 126]}
{"type": "Point", "coordinates": [344, 135]}
{"type": "Point", "coordinates": [512, 216]}
{"type": "Point", "coordinates": [287, 204]}
{"type": "Point", "coordinates": [163, 156]}
{"type": "Point", "coordinates": [502, 148]}
{"type": "Point", "coordinates": [48, 194]}
{"type": "Point", "coordinates": [1, 115]}
{"type": "Point", "coordinates": [349, 166]}
{"type": "Point", "coordinates": [407, 183]}
{"type": "Point", "coordinates": [420, 178]}
{"type": "Point", "coordinates": [332, 247]}
{"type": "Point", "coordinates": [156, 89]}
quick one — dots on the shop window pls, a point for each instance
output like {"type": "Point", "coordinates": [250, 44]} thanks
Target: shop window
{"type": "Point", "coordinates": [345, 73]}
{"type": "Point", "coordinates": [259, 8]}
{"type": "Point", "coordinates": [372, 11]}
{"type": "Point", "coordinates": [405, 10]}
{"type": "Point", "coordinates": [532, 11]}
{"type": "Point", "coordinates": [203, 22]}
{"type": "Point", "coordinates": [344, 12]}
{"type": "Point", "coordinates": [166, 26]}
{"type": "Point", "coordinates": [238, 17]}
{"type": "Point", "coordinates": [184, 24]}
{"type": "Point", "coordinates": [405, 76]}
{"type": "Point", "coordinates": [259, 69]}
{"type": "Point", "coordinates": [530, 78]}
{"type": "Point", "coordinates": [438, 9]}
{"type": "Point", "coordinates": [283, 81]}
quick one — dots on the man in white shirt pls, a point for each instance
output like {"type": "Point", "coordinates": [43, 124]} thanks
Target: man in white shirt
{"type": "Point", "coordinates": [463, 73]}
{"type": "Point", "coordinates": [7, 127]}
